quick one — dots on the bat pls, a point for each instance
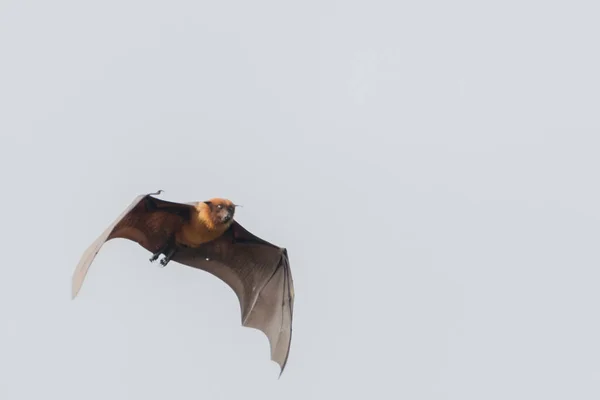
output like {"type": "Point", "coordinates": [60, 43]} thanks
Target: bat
{"type": "Point", "coordinates": [204, 235]}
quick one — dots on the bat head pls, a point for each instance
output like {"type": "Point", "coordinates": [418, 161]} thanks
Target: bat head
{"type": "Point", "coordinates": [219, 211]}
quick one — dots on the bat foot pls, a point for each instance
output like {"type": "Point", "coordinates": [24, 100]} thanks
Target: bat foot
{"type": "Point", "coordinates": [166, 249]}
{"type": "Point", "coordinates": [165, 261]}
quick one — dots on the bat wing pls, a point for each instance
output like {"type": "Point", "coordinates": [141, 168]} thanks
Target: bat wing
{"type": "Point", "coordinates": [147, 220]}
{"type": "Point", "coordinates": [259, 274]}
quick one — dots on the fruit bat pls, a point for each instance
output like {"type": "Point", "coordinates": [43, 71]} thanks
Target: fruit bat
{"type": "Point", "coordinates": [204, 235]}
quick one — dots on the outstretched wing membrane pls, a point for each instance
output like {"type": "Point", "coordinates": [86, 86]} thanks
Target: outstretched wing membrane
{"type": "Point", "coordinates": [257, 271]}
{"type": "Point", "coordinates": [148, 226]}
{"type": "Point", "coordinates": [259, 274]}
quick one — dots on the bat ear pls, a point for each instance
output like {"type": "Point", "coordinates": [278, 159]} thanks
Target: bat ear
{"type": "Point", "coordinates": [208, 203]}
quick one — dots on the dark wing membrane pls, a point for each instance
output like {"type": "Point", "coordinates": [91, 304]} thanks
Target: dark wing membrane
{"type": "Point", "coordinates": [259, 274]}
{"type": "Point", "coordinates": [273, 309]}
{"type": "Point", "coordinates": [147, 220]}
{"type": "Point", "coordinates": [151, 222]}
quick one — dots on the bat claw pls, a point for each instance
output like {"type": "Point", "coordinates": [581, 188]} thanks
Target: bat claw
{"type": "Point", "coordinates": [164, 261]}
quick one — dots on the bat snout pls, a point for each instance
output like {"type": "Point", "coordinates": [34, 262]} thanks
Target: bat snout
{"type": "Point", "coordinates": [228, 216]}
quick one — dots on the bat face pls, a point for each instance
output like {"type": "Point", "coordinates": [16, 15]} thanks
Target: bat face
{"type": "Point", "coordinates": [220, 211]}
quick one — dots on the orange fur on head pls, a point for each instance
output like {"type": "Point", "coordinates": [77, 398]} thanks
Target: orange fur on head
{"type": "Point", "coordinates": [213, 217]}
{"type": "Point", "coordinates": [212, 212]}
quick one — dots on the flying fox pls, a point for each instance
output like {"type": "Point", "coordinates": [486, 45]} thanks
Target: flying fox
{"type": "Point", "coordinates": [205, 235]}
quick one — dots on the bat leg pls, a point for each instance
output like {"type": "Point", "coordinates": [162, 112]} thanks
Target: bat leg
{"type": "Point", "coordinates": [160, 251]}
{"type": "Point", "coordinates": [168, 255]}
{"type": "Point", "coordinates": [168, 249]}
{"type": "Point", "coordinates": [155, 256]}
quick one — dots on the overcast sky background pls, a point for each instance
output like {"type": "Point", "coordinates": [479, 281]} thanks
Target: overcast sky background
{"type": "Point", "coordinates": [431, 167]}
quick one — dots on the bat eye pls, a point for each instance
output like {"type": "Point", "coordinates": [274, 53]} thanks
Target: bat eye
{"type": "Point", "coordinates": [220, 206]}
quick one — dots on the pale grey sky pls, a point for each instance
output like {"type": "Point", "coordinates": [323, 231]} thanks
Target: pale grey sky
{"type": "Point", "coordinates": [431, 167]}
